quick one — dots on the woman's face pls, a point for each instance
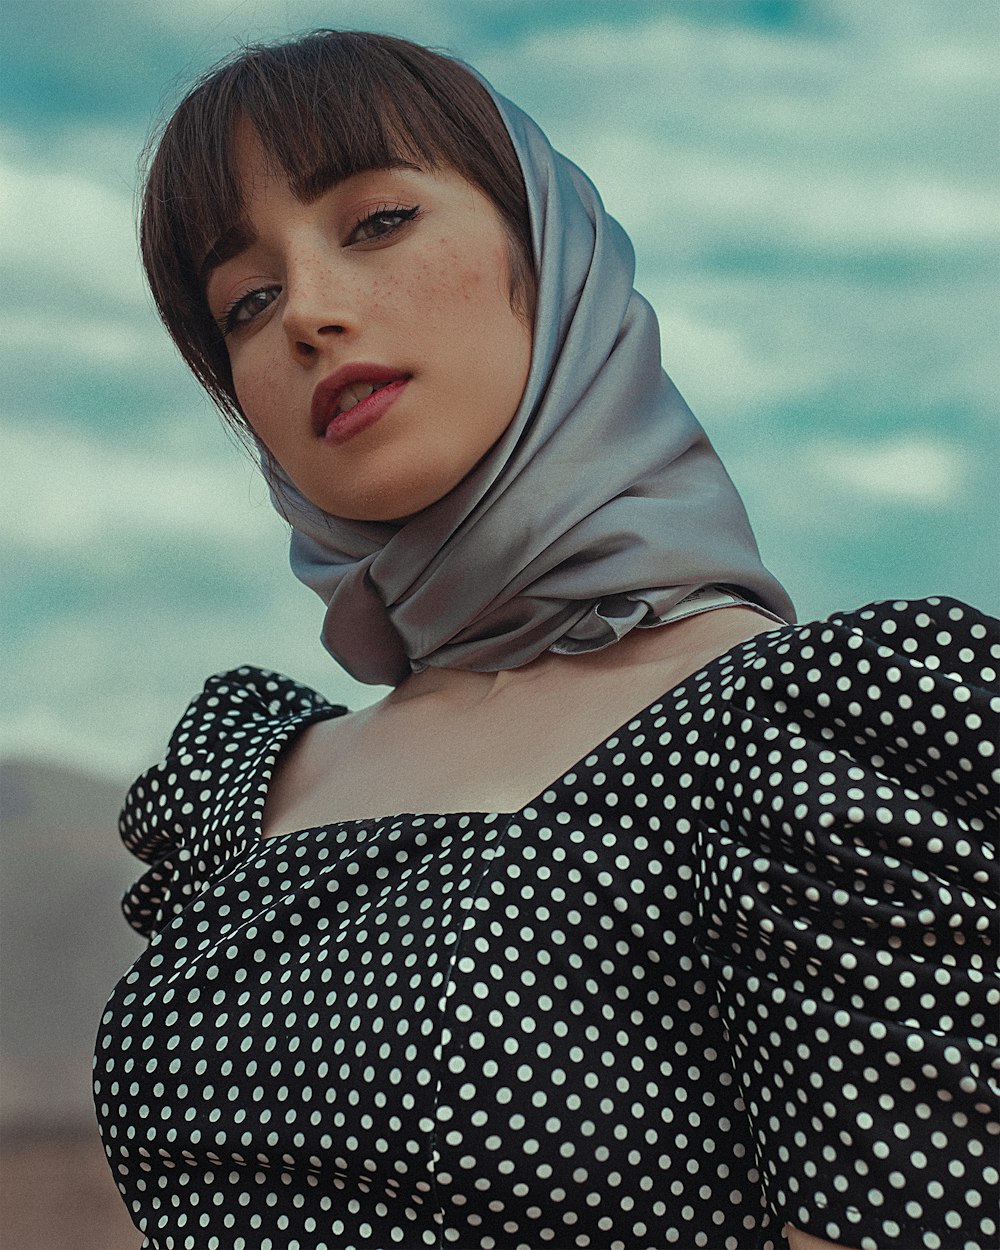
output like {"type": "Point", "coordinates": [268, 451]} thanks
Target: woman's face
{"type": "Point", "coordinates": [395, 278]}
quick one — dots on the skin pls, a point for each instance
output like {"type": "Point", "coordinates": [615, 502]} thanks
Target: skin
{"type": "Point", "coordinates": [473, 742]}
{"type": "Point", "coordinates": [805, 1241]}
{"type": "Point", "coordinates": [428, 296]}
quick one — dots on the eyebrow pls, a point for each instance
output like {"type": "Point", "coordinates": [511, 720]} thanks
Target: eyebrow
{"type": "Point", "coordinates": [238, 238]}
{"type": "Point", "coordinates": [229, 244]}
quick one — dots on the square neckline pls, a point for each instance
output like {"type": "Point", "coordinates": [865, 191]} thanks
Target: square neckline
{"type": "Point", "coordinates": [284, 737]}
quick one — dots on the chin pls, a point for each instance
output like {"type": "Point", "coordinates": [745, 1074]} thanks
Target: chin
{"type": "Point", "coordinates": [394, 480]}
{"type": "Point", "coordinates": [382, 504]}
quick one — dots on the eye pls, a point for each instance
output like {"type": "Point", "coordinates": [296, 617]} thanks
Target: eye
{"type": "Point", "coordinates": [243, 310]}
{"type": "Point", "coordinates": [381, 223]}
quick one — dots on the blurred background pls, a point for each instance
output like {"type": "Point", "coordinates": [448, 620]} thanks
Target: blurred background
{"type": "Point", "coordinates": [811, 189]}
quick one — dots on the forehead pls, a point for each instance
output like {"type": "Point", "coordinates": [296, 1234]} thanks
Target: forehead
{"type": "Point", "coordinates": [252, 168]}
{"type": "Point", "coordinates": [254, 165]}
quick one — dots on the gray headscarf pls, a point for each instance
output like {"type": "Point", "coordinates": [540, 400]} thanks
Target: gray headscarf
{"type": "Point", "coordinates": [601, 507]}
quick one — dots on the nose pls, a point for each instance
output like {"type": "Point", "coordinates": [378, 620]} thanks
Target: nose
{"type": "Point", "coordinates": [320, 306]}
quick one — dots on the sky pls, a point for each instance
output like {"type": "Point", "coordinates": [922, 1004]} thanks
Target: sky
{"type": "Point", "coordinates": [811, 189]}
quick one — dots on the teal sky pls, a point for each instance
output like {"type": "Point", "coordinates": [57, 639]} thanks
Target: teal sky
{"type": "Point", "coordinates": [811, 190]}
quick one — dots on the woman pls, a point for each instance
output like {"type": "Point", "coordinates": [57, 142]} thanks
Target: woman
{"type": "Point", "coordinates": [687, 940]}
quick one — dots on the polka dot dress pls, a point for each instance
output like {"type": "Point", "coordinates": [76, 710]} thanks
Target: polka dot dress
{"type": "Point", "coordinates": [735, 968]}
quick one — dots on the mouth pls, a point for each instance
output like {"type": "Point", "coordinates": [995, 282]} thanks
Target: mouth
{"type": "Point", "coordinates": [352, 395]}
{"type": "Point", "coordinates": [343, 403]}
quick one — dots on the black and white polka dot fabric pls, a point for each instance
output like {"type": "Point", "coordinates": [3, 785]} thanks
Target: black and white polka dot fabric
{"type": "Point", "coordinates": [735, 968]}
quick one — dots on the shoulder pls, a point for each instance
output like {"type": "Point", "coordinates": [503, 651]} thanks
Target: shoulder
{"type": "Point", "coordinates": [231, 708]}
{"type": "Point", "coordinates": [175, 814]}
{"type": "Point", "coordinates": [914, 682]}
{"type": "Point", "coordinates": [240, 698]}
{"type": "Point", "coordinates": [863, 742]}
{"type": "Point", "coordinates": [937, 626]}
{"type": "Point", "coordinates": [924, 642]}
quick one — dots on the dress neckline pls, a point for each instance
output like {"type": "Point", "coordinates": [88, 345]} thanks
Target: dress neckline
{"type": "Point", "coordinates": [284, 737]}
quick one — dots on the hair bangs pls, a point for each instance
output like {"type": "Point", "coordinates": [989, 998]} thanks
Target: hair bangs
{"type": "Point", "coordinates": [329, 115]}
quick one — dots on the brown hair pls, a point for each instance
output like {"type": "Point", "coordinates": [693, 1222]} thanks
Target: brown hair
{"type": "Point", "coordinates": [325, 106]}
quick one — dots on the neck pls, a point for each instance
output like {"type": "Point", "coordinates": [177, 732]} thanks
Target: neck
{"type": "Point", "coordinates": [462, 686]}
{"type": "Point", "coordinates": [686, 643]}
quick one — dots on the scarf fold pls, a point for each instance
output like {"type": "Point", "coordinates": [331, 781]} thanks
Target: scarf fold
{"type": "Point", "coordinates": [599, 509]}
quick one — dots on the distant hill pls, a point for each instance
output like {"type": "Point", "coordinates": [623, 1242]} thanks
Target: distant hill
{"type": "Point", "coordinates": [63, 940]}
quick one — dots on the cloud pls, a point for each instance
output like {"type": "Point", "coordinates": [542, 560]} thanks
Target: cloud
{"type": "Point", "coordinates": [68, 496]}
{"type": "Point", "coordinates": [715, 198]}
{"type": "Point", "coordinates": [100, 683]}
{"type": "Point", "coordinates": [118, 681]}
{"type": "Point", "coordinates": [59, 225]}
{"type": "Point", "coordinates": [909, 472]}
{"type": "Point", "coordinates": [725, 372]}
{"type": "Point", "coordinates": [837, 140]}
{"type": "Point", "coordinates": [94, 342]}
{"type": "Point", "coordinates": [430, 21]}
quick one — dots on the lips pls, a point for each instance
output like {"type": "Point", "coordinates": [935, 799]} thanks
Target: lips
{"type": "Point", "coordinates": [348, 390]}
{"type": "Point", "coordinates": [352, 395]}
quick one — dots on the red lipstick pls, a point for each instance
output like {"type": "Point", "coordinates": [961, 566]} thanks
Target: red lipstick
{"type": "Point", "coordinates": [337, 427]}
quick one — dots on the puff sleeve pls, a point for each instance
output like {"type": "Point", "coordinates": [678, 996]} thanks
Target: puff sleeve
{"type": "Point", "coordinates": [180, 816]}
{"type": "Point", "coordinates": [848, 899]}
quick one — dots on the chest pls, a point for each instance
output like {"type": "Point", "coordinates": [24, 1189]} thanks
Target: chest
{"type": "Point", "coordinates": [496, 761]}
{"type": "Point", "coordinates": [494, 754]}
{"type": "Point", "coordinates": [475, 994]}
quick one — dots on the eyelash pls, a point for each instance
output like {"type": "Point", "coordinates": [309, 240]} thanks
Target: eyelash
{"type": "Point", "coordinates": [228, 323]}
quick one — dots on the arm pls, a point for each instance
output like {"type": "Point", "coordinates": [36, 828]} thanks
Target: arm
{"type": "Point", "coordinates": [805, 1241]}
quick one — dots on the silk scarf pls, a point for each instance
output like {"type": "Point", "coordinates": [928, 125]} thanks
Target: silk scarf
{"type": "Point", "coordinates": [600, 509]}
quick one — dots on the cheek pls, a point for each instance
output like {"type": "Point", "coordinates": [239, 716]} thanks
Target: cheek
{"type": "Point", "coordinates": [461, 283]}
{"type": "Point", "coordinates": [483, 287]}
{"type": "Point", "coordinates": [255, 395]}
